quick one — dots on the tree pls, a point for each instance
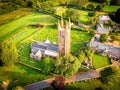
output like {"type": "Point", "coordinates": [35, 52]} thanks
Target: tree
{"type": "Point", "coordinates": [67, 65]}
{"type": "Point", "coordinates": [31, 3]}
{"type": "Point", "coordinates": [5, 84]}
{"type": "Point", "coordinates": [110, 77]}
{"type": "Point", "coordinates": [91, 6]}
{"type": "Point", "coordinates": [18, 88]}
{"type": "Point", "coordinates": [92, 33]}
{"type": "Point", "coordinates": [47, 65]}
{"type": "Point", "coordinates": [104, 38]}
{"type": "Point", "coordinates": [89, 54]}
{"type": "Point", "coordinates": [58, 83]}
{"type": "Point", "coordinates": [78, 3]}
{"type": "Point", "coordinates": [9, 54]}
{"type": "Point", "coordinates": [99, 7]}
{"type": "Point", "coordinates": [48, 7]}
{"type": "Point", "coordinates": [72, 14]}
{"type": "Point", "coordinates": [115, 2]}
{"type": "Point", "coordinates": [115, 16]}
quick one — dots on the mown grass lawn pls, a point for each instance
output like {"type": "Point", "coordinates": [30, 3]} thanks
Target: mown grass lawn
{"type": "Point", "coordinates": [100, 61]}
{"type": "Point", "coordinates": [19, 75]}
{"type": "Point", "coordinates": [111, 8]}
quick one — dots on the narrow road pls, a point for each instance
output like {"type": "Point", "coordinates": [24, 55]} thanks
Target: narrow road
{"type": "Point", "coordinates": [83, 76]}
{"type": "Point", "coordinates": [78, 77]}
{"type": "Point", "coordinates": [39, 85]}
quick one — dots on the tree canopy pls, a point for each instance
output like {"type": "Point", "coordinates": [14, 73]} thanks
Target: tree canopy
{"type": "Point", "coordinates": [72, 14]}
{"type": "Point", "coordinates": [67, 65]}
{"type": "Point", "coordinates": [110, 77]}
{"type": "Point", "coordinates": [9, 54]}
{"type": "Point", "coordinates": [48, 7]}
{"type": "Point", "coordinates": [115, 16]}
{"type": "Point", "coordinates": [104, 38]}
{"type": "Point", "coordinates": [47, 65]}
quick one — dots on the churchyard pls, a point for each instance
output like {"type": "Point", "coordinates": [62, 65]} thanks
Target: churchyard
{"type": "Point", "coordinates": [19, 31]}
{"type": "Point", "coordinates": [26, 29]}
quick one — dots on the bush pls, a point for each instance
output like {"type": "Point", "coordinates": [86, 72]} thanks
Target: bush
{"type": "Point", "coordinates": [99, 7]}
{"type": "Point", "coordinates": [48, 7]}
{"type": "Point", "coordinates": [90, 7]}
{"type": "Point", "coordinates": [72, 14]}
{"type": "Point", "coordinates": [91, 14]}
{"type": "Point", "coordinates": [83, 70]}
{"type": "Point", "coordinates": [92, 33]}
{"type": "Point", "coordinates": [104, 38]}
{"type": "Point", "coordinates": [47, 65]}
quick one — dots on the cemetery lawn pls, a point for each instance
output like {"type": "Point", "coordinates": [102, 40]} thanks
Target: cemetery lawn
{"type": "Point", "coordinates": [100, 61]}
{"type": "Point", "coordinates": [20, 75]}
{"type": "Point", "coordinates": [111, 8]}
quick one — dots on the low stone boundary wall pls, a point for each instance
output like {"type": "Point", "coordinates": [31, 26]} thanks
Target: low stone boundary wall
{"type": "Point", "coordinates": [29, 66]}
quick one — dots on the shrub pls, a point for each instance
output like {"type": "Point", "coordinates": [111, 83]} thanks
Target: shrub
{"type": "Point", "coordinates": [92, 33]}
{"type": "Point", "coordinates": [104, 38]}
{"type": "Point", "coordinates": [91, 14]}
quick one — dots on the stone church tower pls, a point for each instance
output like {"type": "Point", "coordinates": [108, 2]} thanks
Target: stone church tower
{"type": "Point", "coordinates": [64, 37]}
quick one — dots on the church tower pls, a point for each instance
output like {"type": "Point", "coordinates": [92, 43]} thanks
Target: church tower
{"type": "Point", "coordinates": [64, 37]}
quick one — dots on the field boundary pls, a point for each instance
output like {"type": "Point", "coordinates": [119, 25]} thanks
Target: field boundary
{"type": "Point", "coordinates": [38, 69]}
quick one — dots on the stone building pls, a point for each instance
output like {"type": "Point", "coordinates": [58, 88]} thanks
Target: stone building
{"type": "Point", "coordinates": [64, 37]}
{"type": "Point", "coordinates": [46, 48]}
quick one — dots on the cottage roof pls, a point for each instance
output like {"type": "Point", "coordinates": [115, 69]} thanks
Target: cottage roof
{"type": "Point", "coordinates": [110, 49]}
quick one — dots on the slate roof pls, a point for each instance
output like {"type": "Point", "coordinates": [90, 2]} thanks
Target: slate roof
{"type": "Point", "coordinates": [46, 48]}
{"type": "Point", "coordinates": [109, 48]}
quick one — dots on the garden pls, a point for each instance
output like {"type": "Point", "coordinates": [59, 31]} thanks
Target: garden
{"type": "Point", "coordinates": [100, 61]}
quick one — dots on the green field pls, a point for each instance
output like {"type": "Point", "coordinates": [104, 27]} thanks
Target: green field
{"type": "Point", "coordinates": [20, 75]}
{"type": "Point", "coordinates": [83, 13]}
{"type": "Point", "coordinates": [100, 61]}
{"type": "Point", "coordinates": [19, 28]}
{"type": "Point", "coordinates": [110, 8]}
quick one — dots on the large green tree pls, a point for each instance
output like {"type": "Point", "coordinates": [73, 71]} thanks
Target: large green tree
{"type": "Point", "coordinates": [104, 38]}
{"type": "Point", "coordinates": [78, 3]}
{"type": "Point", "coordinates": [48, 7]}
{"type": "Point", "coordinates": [47, 65]}
{"type": "Point", "coordinates": [115, 2]}
{"type": "Point", "coordinates": [72, 14]}
{"type": "Point", "coordinates": [67, 65]}
{"type": "Point", "coordinates": [110, 77]}
{"type": "Point", "coordinates": [9, 54]}
{"type": "Point", "coordinates": [115, 16]}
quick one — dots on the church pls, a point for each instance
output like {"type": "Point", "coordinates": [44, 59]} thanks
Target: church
{"type": "Point", "coordinates": [46, 48]}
